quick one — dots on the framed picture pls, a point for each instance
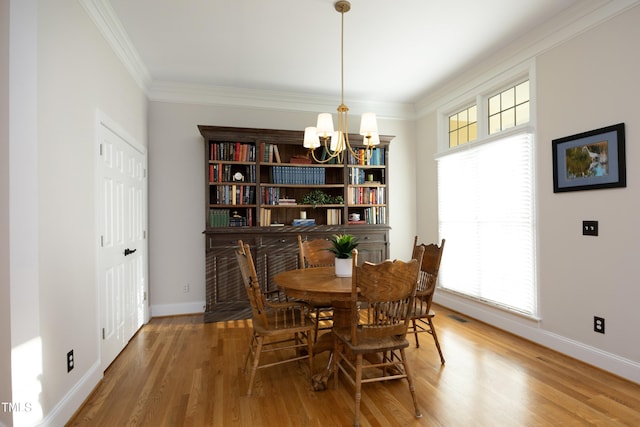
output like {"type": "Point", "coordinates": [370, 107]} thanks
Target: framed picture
{"type": "Point", "coordinates": [590, 160]}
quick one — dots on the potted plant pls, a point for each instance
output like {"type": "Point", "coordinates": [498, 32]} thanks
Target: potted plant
{"type": "Point", "coordinates": [342, 245]}
{"type": "Point", "coordinates": [318, 197]}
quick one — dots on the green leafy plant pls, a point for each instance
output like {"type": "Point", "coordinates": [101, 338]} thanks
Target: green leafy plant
{"type": "Point", "coordinates": [342, 245]}
{"type": "Point", "coordinates": [318, 197]}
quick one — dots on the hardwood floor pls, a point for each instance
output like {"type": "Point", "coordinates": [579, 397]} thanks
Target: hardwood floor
{"type": "Point", "coordinates": [179, 371]}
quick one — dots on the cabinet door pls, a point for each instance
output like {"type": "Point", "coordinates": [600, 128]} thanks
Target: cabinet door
{"type": "Point", "coordinates": [275, 255]}
{"type": "Point", "coordinates": [372, 246]}
{"type": "Point", "coordinates": [224, 281]}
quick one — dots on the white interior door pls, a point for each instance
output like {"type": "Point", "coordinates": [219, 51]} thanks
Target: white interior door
{"type": "Point", "coordinates": [122, 253]}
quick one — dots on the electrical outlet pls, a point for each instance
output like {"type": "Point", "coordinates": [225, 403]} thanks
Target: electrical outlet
{"type": "Point", "coordinates": [185, 288]}
{"type": "Point", "coordinates": [70, 361]}
{"type": "Point", "coordinates": [589, 228]}
{"type": "Point", "coordinates": [598, 324]}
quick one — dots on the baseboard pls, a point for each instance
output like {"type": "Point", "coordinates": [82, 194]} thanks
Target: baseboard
{"type": "Point", "coordinates": [529, 329]}
{"type": "Point", "coordinates": [177, 309]}
{"type": "Point", "coordinates": [74, 399]}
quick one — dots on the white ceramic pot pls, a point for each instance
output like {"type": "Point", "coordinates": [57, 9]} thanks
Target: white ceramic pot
{"type": "Point", "coordinates": [344, 267]}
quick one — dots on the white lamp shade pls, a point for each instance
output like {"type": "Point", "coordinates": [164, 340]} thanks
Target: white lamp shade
{"type": "Point", "coordinates": [368, 124]}
{"type": "Point", "coordinates": [311, 139]}
{"type": "Point", "coordinates": [337, 142]}
{"type": "Point", "coordinates": [324, 127]}
{"type": "Point", "coordinates": [373, 139]}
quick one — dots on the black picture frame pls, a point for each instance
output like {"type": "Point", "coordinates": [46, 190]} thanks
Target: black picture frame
{"type": "Point", "coordinates": [590, 160]}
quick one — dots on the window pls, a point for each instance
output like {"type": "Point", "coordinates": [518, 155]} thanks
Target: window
{"type": "Point", "coordinates": [486, 201]}
{"type": "Point", "coordinates": [509, 108]}
{"type": "Point", "coordinates": [486, 211]}
{"type": "Point", "coordinates": [463, 126]}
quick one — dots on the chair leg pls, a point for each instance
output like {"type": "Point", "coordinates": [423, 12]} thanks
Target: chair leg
{"type": "Point", "coordinates": [250, 350]}
{"type": "Point", "coordinates": [415, 332]}
{"type": "Point", "coordinates": [315, 334]}
{"type": "Point", "coordinates": [435, 338]}
{"type": "Point", "coordinates": [358, 396]}
{"type": "Point", "coordinates": [256, 361]}
{"type": "Point", "coordinates": [310, 353]}
{"type": "Point", "coordinates": [335, 363]}
{"type": "Point", "coordinates": [412, 388]}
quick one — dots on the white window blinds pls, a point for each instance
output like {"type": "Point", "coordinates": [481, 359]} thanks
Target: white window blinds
{"type": "Point", "coordinates": [487, 216]}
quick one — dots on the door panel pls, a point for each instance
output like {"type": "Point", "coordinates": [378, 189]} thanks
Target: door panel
{"type": "Point", "coordinates": [122, 222]}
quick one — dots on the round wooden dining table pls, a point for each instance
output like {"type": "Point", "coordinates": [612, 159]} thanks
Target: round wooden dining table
{"type": "Point", "coordinates": [320, 285]}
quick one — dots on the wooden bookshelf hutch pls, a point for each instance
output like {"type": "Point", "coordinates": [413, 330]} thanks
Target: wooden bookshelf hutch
{"type": "Point", "coordinates": [256, 182]}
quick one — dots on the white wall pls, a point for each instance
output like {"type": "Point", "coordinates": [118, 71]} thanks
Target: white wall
{"type": "Point", "coordinates": [585, 83]}
{"type": "Point", "coordinates": [77, 74]}
{"type": "Point", "coordinates": [177, 189]}
{"type": "Point", "coordinates": [588, 83]}
{"type": "Point", "coordinates": [5, 308]}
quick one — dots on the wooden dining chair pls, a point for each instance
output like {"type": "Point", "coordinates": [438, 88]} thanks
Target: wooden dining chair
{"type": "Point", "coordinates": [277, 326]}
{"type": "Point", "coordinates": [381, 296]}
{"type": "Point", "coordinates": [422, 315]}
{"type": "Point", "coordinates": [314, 253]}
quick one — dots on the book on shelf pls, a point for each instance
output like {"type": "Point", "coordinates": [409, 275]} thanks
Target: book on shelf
{"type": "Point", "coordinates": [291, 202]}
{"type": "Point", "coordinates": [334, 216]}
{"type": "Point", "coordinates": [276, 154]}
{"type": "Point", "coordinates": [303, 160]}
{"type": "Point", "coordinates": [361, 221]}
{"type": "Point", "coordinates": [303, 222]}
{"type": "Point", "coordinates": [276, 224]}
{"type": "Point", "coordinates": [265, 217]}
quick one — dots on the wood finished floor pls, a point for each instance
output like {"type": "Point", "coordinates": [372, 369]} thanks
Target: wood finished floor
{"type": "Point", "coordinates": [178, 371]}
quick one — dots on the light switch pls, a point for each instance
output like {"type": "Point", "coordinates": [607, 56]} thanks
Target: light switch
{"type": "Point", "coordinates": [589, 228]}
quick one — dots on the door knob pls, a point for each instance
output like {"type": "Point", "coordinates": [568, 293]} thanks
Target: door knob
{"type": "Point", "coordinates": [129, 251]}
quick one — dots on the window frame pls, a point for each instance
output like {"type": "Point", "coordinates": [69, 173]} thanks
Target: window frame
{"type": "Point", "coordinates": [478, 93]}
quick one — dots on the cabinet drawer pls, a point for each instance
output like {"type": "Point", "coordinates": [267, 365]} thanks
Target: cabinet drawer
{"type": "Point", "coordinates": [370, 237]}
{"type": "Point", "coordinates": [280, 241]}
{"type": "Point", "coordinates": [224, 242]}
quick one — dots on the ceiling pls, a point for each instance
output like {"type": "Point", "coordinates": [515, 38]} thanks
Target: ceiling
{"type": "Point", "coordinates": [395, 51]}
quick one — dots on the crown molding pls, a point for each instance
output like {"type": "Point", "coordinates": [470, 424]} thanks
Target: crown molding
{"type": "Point", "coordinates": [563, 27]}
{"type": "Point", "coordinates": [166, 91]}
{"type": "Point", "coordinates": [105, 19]}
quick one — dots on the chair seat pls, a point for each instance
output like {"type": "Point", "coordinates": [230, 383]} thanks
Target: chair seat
{"type": "Point", "coordinates": [421, 310]}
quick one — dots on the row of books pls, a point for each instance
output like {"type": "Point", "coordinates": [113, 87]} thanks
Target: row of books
{"type": "Point", "coordinates": [224, 172]}
{"type": "Point", "coordinates": [375, 215]}
{"type": "Point", "coordinates": [334, 216]}
{"type": "Point", "coordinates": [225, 218]}
{"type": "Point", "coordinates": [359, 176]}
{"type": "Point", "coordinates": [376, 158]}
{"type": "Point", "coordinates": [265, 217]}
{"type": "Point", "coordinates": [232, 151]}
{"type": "Point", "coordinates": [218, 217]}
{"type": "Point", "coordinates": [270, 196]}
{"type": "Point", "coordinates": [234, 195]}
{"type": "Point", "coordinates": [366, 196]}
{"type": "Point", "coordinates": [269, 153]}
{"type": "Point", "coordinates": [297, 175]}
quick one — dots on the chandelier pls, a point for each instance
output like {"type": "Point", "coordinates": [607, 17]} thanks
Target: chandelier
{"type": "Point", "coordinates": [335, 142]}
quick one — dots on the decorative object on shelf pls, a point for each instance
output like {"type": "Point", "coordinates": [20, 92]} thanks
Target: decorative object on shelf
{"type": "Point", "coordinates": [590, 160]}
{"type": "Point", "coordinates": [342, 245]}
{"type": "Point", "coordinates": [318, 197]}
{"type": "Point", "coordinates": [238, 177]}
{"type": "Point", "coordinates": [339, 140]}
